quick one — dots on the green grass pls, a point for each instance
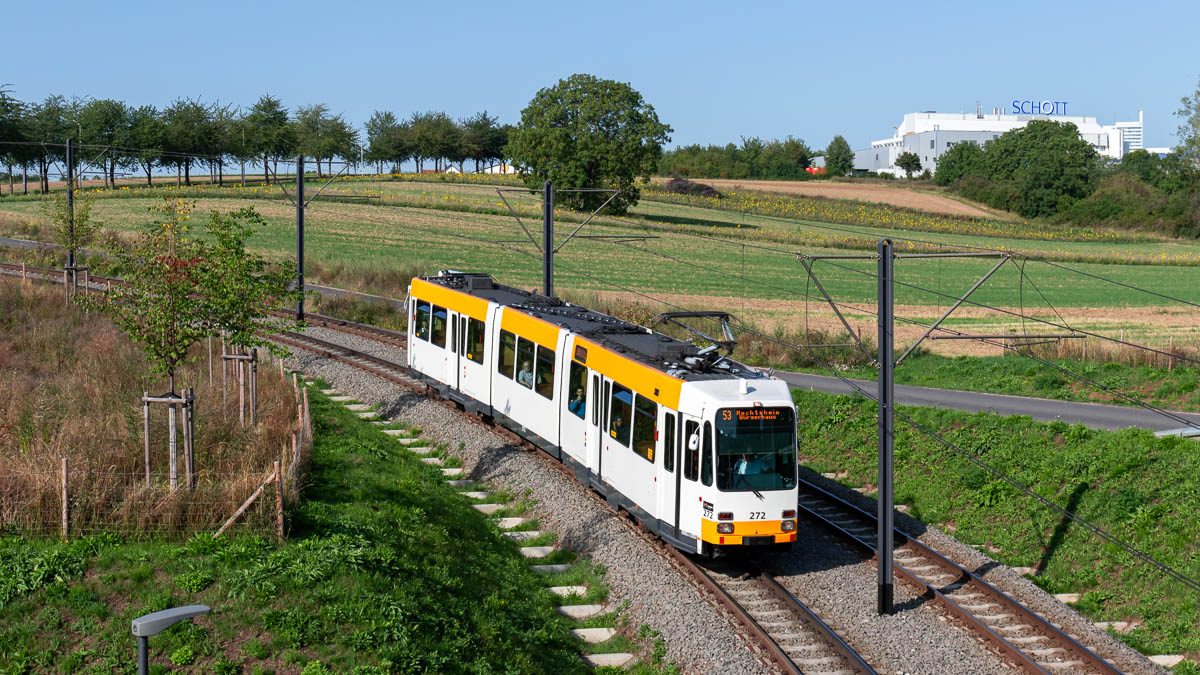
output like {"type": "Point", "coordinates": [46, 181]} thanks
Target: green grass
{"type": "Point", "coordinates": [1174, 389]}
{"type": "Point", "coordinates": [1143, 489]}
{"type": "Point", "coordinates": [437, 235]}
{"type": "Point", "coordinates": [387, 568]}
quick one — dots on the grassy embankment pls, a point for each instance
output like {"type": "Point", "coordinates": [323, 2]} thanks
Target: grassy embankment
{"type": "Point", "coordinates": [388, 570]}
{"type": "Point", "coordinates": [1143, 489]}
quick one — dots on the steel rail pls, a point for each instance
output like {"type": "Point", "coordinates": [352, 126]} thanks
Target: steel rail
{"type": "Point", "coordinates": [1049, 639]}
{"type": "Point", "coordinates": [398, 374]}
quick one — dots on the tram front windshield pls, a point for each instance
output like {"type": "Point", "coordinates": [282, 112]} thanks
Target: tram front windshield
{"type": "Point", "coordinates": [756, 449]}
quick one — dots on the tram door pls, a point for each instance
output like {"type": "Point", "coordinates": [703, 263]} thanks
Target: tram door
{"type": "Point", "coordinates": [668, 469]}
{"type": "Point", "coordinates": [577, 406]}
{"type": "Point", "coordinates": [470, 374]}
{"type": "Point", "coordinates": [689, 495]}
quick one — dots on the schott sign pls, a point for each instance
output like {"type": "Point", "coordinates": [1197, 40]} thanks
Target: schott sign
{"type": "Point", "coordinates": [1039, 107]}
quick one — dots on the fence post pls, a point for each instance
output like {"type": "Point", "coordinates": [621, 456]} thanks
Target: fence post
{"type": "Point", "coordinates": [189, 438]}
{"type": "Point", "coordinates": [65, 511]}
{"type": "Point", "coordinates": [66, 290]}
{"type": "Point", "coordinates": [223, 378]}
{"type": "Point", "coordinates": [295, 446]}
{"type": "Point", "coordinates": [146, 431]}
{"type": "Point", "coordinates": [210, 371]}
{"type": "Point", "coordinates": [174, 446]}
{"type": "Point", "coordinates": [241, 375]}
{"type": "Point", "coordinates": [307, 417]}
{"type": "Point", "coordinates": [279, 501]}
{"type": "Point", "coordinates": [296, 385]}
{"type": "Point", "coordinates": [254, 385]}
{"type": "Point", "coordinates": [1171, 351]}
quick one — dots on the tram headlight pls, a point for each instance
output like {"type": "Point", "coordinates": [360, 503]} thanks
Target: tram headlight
{"type": "Point", "coordinates": [725, 528]}
{"type": "Point", "coordinates": [789, 526]}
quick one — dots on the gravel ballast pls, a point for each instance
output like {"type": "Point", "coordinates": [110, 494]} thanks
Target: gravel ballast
{"type": "Point", "coordinates": [836, 581]}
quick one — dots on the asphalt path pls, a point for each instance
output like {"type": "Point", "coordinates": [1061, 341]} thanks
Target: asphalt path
{"type": "Point", "coordinates": [1094, 415]}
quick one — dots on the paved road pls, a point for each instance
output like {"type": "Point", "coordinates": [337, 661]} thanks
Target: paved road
{"type": "Point", "coordinates": [1095, 415]}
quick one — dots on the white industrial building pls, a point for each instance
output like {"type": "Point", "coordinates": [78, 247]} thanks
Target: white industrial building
{"type": "Point", "coordinates": [930, 134]}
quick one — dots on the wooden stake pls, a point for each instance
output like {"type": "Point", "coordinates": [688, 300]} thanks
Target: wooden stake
{"type": "Point", "coordinates": [174, 447]}
{"type": "Point", "coordinates": [146, 432]}
{"type": "Point", "coordinates": [241, 375]}
{"type": "Point", "coordinates": [307, 417]}
{"type": "Point", "coordinates": [1171, 351]}
{"type": "Point", "coordinates": [65, 510]}
{"type": "Point", "coordinates": [282, 376]}
{"type": "Point", "coordinates": [224, 386]}
{"type": "Point", "coordinates": [245, 505]}
{"type": "Point", "coordinates": [278, 501]}
{"type": "Point", "coordinates": [295, 446]}
{"type": "Point", "coordinates": [189, 456]}
{"type": "Point", "coordinates": [66, 289]}
{"type": "Point", "coordinates": [296, 385]}
{"type": "Point", "coordinates": [210, 370]}
{"type": "Point", "coordinates": [253, 386]}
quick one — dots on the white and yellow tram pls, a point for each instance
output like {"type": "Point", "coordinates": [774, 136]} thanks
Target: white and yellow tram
{"type": "Point", "coordinates": [698, 448]}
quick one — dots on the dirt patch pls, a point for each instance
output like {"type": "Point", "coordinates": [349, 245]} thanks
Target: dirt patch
{"type": "Point", "coordinates": [882, 194]}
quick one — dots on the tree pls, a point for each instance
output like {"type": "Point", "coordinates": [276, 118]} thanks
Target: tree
{"type": "Point", "coordinates": [380, 129]}
{"type": "Point", "coordinates": [240, 288]}
{"type": "Point", "coordinates": [146, 134]}
{"type": "Point", "coordinates": [52, 121]}
{"type": "Point", "coordinates": [157, 306]}
{"type": "Point", "coordinates": [481, 138]}
{"type": "Point", "coordinates": [587, 132]}
{"type": "Point", "coordinates": [106, 122]}
{"type": "Point", "coordinates": [186, 134]}
{"type": "Point", "coordinates": [909, 162]}
{"type": "Point", "coordinates": [274, 135]}
{"type": "Point", "coordinates": [962, 159]}
{"type": "Point", "coordinates": [1189, 127]}
{"type": "Point", "coordinates": [1048, 164]}
{"type": "Point", "coordinates": [839, 158]}
{"type": "Point", "coordinates": [75, 229]}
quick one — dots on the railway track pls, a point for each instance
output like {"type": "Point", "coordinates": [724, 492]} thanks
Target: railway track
{"type": "Point", "coordinates": [791, 635]}
{"type": "Point", "coordinates": [788, 632]}
{"type": "Point", "coordinates": [1027, 640]}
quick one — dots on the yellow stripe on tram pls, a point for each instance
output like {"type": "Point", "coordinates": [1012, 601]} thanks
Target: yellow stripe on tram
{"type": "Point", "coordinates": [649, 382]}
{"type": "Point", "coordinates": [530, 328]}
{"type": "Point", "coordinates": [463, 303]}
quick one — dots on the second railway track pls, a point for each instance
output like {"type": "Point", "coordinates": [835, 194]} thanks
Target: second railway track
{"type": "Point", "coordinates": [1023, 637]}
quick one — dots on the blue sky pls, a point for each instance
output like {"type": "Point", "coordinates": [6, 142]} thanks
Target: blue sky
{"type": "Point", "coordinates": [713, 71]}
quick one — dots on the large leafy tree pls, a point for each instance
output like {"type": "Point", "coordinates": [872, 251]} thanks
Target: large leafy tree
{"type": "Point", "coordinates": [587, 132]}
{"type": "Point", "coordinates": [962, 159]}
{"type": "Point", "coordinates": [1189, 126]}
{"type": "Point", "coordinates": [187, 134]}
{"type": "Point", "coordinates": [380, 129]}
{"type": "Point", "coordinates": [106, 124]}
{"type": "Point", "coordinates": [839, 158]}
{"type": "Point", "coordinates": [274, 135]}
{"type": "Point", "coordinates": [52, 121]}
{"type": "Point", "coordinates": [1048, 164]}
{"type": "Point", "coordinates": [147, 137]}
{"type": "Point", "coordinates": [323, 135]}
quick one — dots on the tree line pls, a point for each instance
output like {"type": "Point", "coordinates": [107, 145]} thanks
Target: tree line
{"type": "Point", "coordinates": [189, 134]}
{"type": "Point", "coordinates": [1045, 169]}
{"type": "Point", "coordinates": [787, 159]}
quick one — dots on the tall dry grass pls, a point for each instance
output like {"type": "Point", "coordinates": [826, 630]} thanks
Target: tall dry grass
{"type": "Point", "coordinates": [70, 386]}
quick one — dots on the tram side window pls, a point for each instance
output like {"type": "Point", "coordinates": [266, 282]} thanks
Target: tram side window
{"type": "Point", "coordinates": [508, 354]}
{"type": "Point", "coordinates": [525, 350]}
{"type": "Point", "coordinates": [545, 372]}
{"type": "Point", "coordinates": [620, 414]}
{"type": "Point", "coordinates": [422, 320]}
{"type": "Point", "coordinates": [645, 428]}
{"type": "Point", "coordinates": [669, 443]}
{"type": "Point", "coordinates": [577, 389]}
{"type": "Point", "coordinates": [439, 326]}
{"type": "Point", "coordinates": [691, 458]}
{"type": "Point", "coordinates": [475, 333]}
{"type": "Point", "coordinates": [706, 466]}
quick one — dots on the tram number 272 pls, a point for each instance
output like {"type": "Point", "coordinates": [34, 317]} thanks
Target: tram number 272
{"type": "Point", "coordinates": [758, 515]}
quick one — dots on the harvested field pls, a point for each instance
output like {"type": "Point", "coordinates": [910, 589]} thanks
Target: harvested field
{"type": "Point", "coordinates": [865, 192]}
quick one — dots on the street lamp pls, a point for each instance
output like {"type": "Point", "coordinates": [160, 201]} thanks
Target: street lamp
{"type": "Point", "coordinates": [155, 623]}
